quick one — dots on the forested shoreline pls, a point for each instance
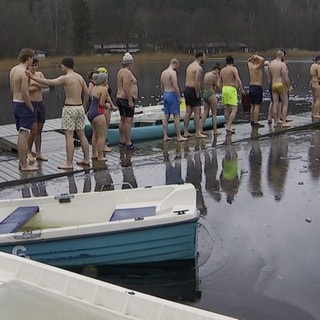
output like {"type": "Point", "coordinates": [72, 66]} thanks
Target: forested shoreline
{"type": "Point", "coordinates": [75, 26]}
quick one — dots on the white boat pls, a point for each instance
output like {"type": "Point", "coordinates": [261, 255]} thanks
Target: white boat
{"type": "Point", "coordinates": [32, 290]}
{"type": "Point", "coordinates": [115, 227]}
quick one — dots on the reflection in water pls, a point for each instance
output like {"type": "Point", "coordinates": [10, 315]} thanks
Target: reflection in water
{"type": "Point", "coordinates": [38, 190]}
{"type": "Point", "coordinates": [314, 154]}
{"type": "Point", "coordinates": [278, 164]}
{"type": "Point", "coordinates": [194, 173]}
{"type": "Point", "coordinates": [255, 162]}
{"type": "Point", "coordinates": [173, 280]}
{"type": "Point", "coordinates": [229, 178]}
{"type": "Point", "coordinates": [129, 180]}
{"type": "Point", "coordinates": [86, 185]}
{"type": "Point", "coordinates": [211, 170]}
{"type": "Point", "coordinates": [173, 168]}
{"type": "Point", "coordinates": [102, 177]}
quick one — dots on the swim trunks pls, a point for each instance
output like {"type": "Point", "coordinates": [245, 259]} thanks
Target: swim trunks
{"type": "Point", "coordinates": [191, 98]}
{"type": "Point", "coordinates": [255, 94]}
{"type": "Point", "coordinates": [171, 103]}
{"type": "Point", "coordinates": [25, 118]}
{"type": "Point", "coordinates": [40, 111]}
{"type": "Point", "coordinates": [73, 117]}
{"type": "Point", "coordinates": [229, 96]}
{"type": "Point", "coordinates": [124, 109]}
{"type": "Point", "coordinates": [207, 95]}
{"type": "Point", "coordinates": [95, 109]}
{"type": "Point", "coordinates": [278, 88]}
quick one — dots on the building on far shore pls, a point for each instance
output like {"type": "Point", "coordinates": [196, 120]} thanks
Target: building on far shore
{"type": "Point", "coordinates": [103, 49]}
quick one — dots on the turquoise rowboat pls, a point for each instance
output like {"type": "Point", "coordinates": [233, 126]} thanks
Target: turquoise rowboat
{"type": "Point", "coordinates": [114, 227]}
{"type": "Point", "coordinates": [152, 131]}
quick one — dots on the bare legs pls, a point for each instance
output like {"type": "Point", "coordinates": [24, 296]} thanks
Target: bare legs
{"type": "Point", "coordinates": [99, 128]}
{"type": "Point", "coordinates": [70, 149]}
{"type": "Point", "coordinates": [22, 144]}
{"type": "Point", "coordinates": [230, 114]}
{"type": "Point", "coordinates": [35, 136]}
{"type": "Point", "coordinates": [176, 119]}
{"type": "Point", "coordinates": [125, 130]}
{"type": "Point", "coordinates": [196, 110]}
{"type": "Point", "coordinates": [212, 105]}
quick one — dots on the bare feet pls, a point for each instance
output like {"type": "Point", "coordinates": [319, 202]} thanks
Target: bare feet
{"type": "Point", "coordinates": [28, 168]}
{"type": "Point", "coordinates": [166, 138]}
{"type": "Point", "coordinates": [181, 139]}
{"type": "Point", "coordinates": [187, 135]}
{"type": "Point", "coordinates": [31, 158]}
{"type": "Point", "coordinates": [285, 125]}
{"type": "Point", "coordinates": [104, 159]}
{"type": "Point", "coordinates": [231, 130]}
{"type": "Point", "coordinates": [65, 166]}
{"type": "Point", "coordinates": [107, 149]}
{"type": "Point", "coordinates": [40, 157]}
{"type": "Point", "coordinates": [83, 163]}
{"type": "Point", "coordinates": [201, 135]}
{"type": "Point", "coordinates": [216, 133]}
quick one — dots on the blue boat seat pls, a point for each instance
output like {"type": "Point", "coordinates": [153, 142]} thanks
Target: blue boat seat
{"type": "Point", "coordinates": [17, 218]}
{"type": "Point", "coordinates": [133, 213]}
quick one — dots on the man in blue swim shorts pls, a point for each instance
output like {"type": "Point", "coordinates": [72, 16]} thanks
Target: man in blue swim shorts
{"type": "Point", "coordinates": [192, 94]}
{"type": "Point", "coordinates": [171, 99]}
{"type": "Point", "coordinates": [22, 107]}
{"type": "Point", "coordinates": [231, 82]}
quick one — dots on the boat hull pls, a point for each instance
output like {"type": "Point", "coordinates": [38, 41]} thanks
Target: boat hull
{"type": "Point", "coordinates": [165, 243]}
{"type": "Point", "coordinates": [152, 131]}
{"type": "Point", "coordinates": [104, 228]}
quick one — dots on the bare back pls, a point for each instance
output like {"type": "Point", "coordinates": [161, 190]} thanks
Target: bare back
{"type": "Point", "coordinates": [255, 73]}
{"type": "Point", "coordinates": [279, 72]}
{"type": "Point", "coordinates": [169, 81]}
{"type": "Point", "coordinates": [193, 76]}
{"type": "Point", "coordinates": [315, 72]}
{"type": "Point", "coordinates": [230, 76]}
{"type": "Point", "coordinates": [211, 82]}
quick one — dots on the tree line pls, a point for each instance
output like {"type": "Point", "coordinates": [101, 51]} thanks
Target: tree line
{"type": "Point", "coordinates": [74, 26]}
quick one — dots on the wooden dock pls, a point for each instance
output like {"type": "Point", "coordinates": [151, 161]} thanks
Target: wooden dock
{"type": "Point", "coordinates": [53, 147]}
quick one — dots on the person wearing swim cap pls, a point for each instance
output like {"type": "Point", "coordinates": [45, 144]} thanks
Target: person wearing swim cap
{"type": "Point", "coordinates": [127, 94]}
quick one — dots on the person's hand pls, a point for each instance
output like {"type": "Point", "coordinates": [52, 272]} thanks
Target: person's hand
{"type": "Point", "coordinates": [29, 74]}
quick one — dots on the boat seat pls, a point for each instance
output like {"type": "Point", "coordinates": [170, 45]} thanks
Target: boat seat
{"type": "Point", "coordinates": [133, 213]}
{"type": "Point", "coordinates": [17, 218]}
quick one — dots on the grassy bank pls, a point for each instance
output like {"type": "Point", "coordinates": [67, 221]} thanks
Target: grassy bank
{"type": "Point", "coordinates": [6, 64]}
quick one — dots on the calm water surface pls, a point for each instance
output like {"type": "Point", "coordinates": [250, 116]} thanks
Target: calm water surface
{"type": "Point", "coordinates": [259, 228]}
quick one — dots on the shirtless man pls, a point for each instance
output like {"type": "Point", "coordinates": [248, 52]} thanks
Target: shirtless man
{"type": "Point", "coordinates": [35, 90]}
{"type": "Point", "coordinates": [315, 87]}
{"type": "Point", "coordinates": [255, 66]}
{"type": "Point", "coordinates": [127, 94]}
{"type": "Point", "coordinates": [192, 94]}
{"type": "Point", "coordinates": [211, 82]}
{"type": "Point", "coordinates": [73, 113]}
{"type": "Point", "coordinates": [231, 82]}
{"type": "Point", "coordinates": [22, 107]}
{"type": "Point", "coordinates": [280, 85]}
{"type": "Point", "coordinates": [171, 99]}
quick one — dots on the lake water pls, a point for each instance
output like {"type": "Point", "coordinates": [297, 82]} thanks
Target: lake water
{"type": "Point", "coordinates": [148, 81]}
{"type": "Point", "coordinates": [258, 233]}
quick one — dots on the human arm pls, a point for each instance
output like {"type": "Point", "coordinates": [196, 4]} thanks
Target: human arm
{"type": "Point", "coordinates": [85, 93]}
{"type": "Point", "coordinates": [25, 92]}
{"type": "Point", "coordinates": [198, 74]}
{"type": "Point", "coordinates": [175, 85]}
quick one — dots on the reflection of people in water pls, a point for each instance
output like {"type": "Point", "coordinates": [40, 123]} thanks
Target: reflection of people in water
{"type": "Point", "coordinates": [129, 180]}
{"type": "Point", "coordinates": [229, 178]}
{"type": "Point", "coordinates": [211, 170]}
{"type": "Point", "coordinates": [194, 176]}
{"type": "Point", "coordinates": [102, 177]}
{"type": "Point", "coordinates": [314, 154]}
{"type": "Point", "coordinates": [173, 168]}
{"type": "Point", "coordinates": [255, 161]}
{"type": "Point", "coordinates": [278, 164]}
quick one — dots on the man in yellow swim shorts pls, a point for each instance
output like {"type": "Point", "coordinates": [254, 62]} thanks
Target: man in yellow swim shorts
{"type": "Point", "coordinates": [231, 82]}
{"type": "Point", "coordinates": [280, 85]}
